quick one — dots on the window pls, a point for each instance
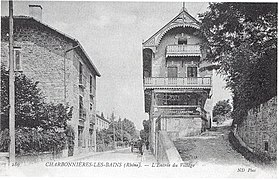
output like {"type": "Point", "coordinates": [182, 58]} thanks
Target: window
{"type": "Point", "coordinates": [91, 84]}
{"type": "Point", "coordinates": [80, 102]}
{"type": "Point", "coordinates": [172, 72]}
{"type": "Point", "coordinates": [80, 135]}
{"type": "Point", "coordinates": [81, 109]}
{"type": "Point", "coordinates": [182, 40]}
{"type": "Point", "coordinates": [90, 137]}
{"type": "Point", "coordinates": [91, 106]}
{"type": "Point", "coordinates": [80, 72]}
{"type": "Point", "coordinates": [266, 146]}
{"type": "Point", "coordinates": [191, 71]}
{"type": "Point", "coordinates": [17, 59]}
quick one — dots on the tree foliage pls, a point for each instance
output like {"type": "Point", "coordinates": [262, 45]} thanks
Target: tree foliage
{"type": "Point", "coordinates": [222, 108]}
{"type": "Point", "coordinates": [242, 38]}
{"type": "Point", "coordinates": [123, 129]}
{"type": "Point", "coordinates": [40, 126]}
{"type": "Point", "coordinates": [145, 132]}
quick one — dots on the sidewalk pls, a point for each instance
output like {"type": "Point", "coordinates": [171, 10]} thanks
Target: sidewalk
{"type": "Point", "coordinates": [148, 157]}
{"type": "Point", "coordinates": [86, 155]}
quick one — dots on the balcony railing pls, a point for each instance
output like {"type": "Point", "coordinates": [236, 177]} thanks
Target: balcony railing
{"type": "Point", "coordinates": [151, 82]}
{"type": "Point", "coordinates": [183, 50]}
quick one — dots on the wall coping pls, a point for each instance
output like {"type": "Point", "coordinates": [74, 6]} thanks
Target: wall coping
{"type": "Point", "coordinates": [169, 148]}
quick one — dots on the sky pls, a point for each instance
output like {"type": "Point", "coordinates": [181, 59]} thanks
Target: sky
{"type": "Point", "coordinates": [112, 34]}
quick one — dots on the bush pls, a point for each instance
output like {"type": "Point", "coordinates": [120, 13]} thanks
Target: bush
{"type": "Point", "coordinates": [34, 141]}
{"type": "Point", "coordinates": [39, 126]}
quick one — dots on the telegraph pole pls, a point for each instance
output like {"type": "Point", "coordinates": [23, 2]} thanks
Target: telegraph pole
{"type": "Point", "coordinates": [113, 127]}
{"type": "Point", "coordinates": [11, 87]}
{"type": "Point", "coordinates": [121, 129]}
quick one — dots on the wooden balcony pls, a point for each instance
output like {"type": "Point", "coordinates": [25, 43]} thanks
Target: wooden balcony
{"type": "Point", "coordinates": [183, 50]}
{"type": "Point", "coordinates": [161, 82]}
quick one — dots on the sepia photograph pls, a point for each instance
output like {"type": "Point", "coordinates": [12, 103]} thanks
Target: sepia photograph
{"type": "Point", "coordinates": [138, 89]}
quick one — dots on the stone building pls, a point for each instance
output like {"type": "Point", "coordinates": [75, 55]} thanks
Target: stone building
{"type": "Point", "coordinates": [101, 122]}
{"type": "Point", "coordinates": [65, 72]}
{"type": "Point", "coordinates": [177, 91]}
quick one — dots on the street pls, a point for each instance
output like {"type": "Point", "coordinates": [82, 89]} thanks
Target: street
{"type": "Point", "coordinates": [209, 153]}
{"type": "Point", "coordinates": [213, 150]}
{"type": "Point", "coordinates": [100, 162]}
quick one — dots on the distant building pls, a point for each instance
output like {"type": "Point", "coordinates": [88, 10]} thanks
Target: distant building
{"type": "Point", "coordinates": [101, 123]}
{"type": "Point", "coordinates": [177, 92]}
{"type": "Point", "coordinates": [65, 72]}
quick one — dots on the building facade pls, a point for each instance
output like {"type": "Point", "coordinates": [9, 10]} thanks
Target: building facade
{"type": "Point", "coordinates": [177, 91]}
{"type": "Point", "coordinates": [64, 71]}
{"type": "Point", "coordinates": [101, 123]}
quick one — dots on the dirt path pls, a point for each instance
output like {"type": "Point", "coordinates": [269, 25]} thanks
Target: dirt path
{"type": "Point", "coordinates": [212, 152]}
{"type": "Point", "coordinates": [210, 147]}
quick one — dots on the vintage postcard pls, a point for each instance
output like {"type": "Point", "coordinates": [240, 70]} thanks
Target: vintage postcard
{"type": "Point", "coordinates": [138, 89]}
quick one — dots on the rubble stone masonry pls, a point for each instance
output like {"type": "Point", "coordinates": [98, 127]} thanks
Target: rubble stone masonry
{"type": "Point", "coordinates": [259, 130]}
{"type": "Point", "coordinates": [42, 53]}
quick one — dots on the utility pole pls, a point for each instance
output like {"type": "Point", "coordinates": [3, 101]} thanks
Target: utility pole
{"type": "Point", "coordinates": [113, 127]}
{"type": "Point", "coordinates": [121, 129]}
{"type": "Point", "coordinates": [11, 87]}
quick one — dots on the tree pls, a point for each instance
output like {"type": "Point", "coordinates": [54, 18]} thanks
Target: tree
{"type": "Point", "coordinates": [128, 130]}
{"type": "Point", "coordinates": [145, 132]}
{"type": "Point", "coordinates": [242, 43]}
{"type": "Point", "coordinates": [28, 101]}
{"type": "Point", "coordinates": [222, 108]}
{"type": "Point", "coordinates": [221, 111]}
{"type": "Point", "coordinates": [40, 126]}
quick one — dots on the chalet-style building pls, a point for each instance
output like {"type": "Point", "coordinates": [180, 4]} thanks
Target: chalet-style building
{"type": "Point", "coordinates": [65, 72]}
{"type": "Point", "coordinates": [101, 122]}
{"type": "Point", "coordinates": [177, 92]}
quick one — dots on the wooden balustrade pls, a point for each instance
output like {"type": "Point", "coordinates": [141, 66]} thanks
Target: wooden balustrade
{"type": "Point", "coordinates": [174, 82]}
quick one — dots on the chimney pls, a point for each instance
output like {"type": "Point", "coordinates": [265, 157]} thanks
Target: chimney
{"type": "Point", "coordinates": [35, 11]}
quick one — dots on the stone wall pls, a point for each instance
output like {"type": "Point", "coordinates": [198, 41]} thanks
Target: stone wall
{"type": "Point", "coordinates": [259, 130]}
{"type": "Point", "coordinates": [178, 127]}
{"type": "Point", "coordinates": [166, 151]}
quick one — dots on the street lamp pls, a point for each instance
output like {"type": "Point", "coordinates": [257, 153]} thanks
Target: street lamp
{"type": "Point", "coordinates": [65, 53]}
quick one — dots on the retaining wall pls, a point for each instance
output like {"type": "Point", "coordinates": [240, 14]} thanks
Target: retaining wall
{"type": "Point", "coordinates": [259, 130]}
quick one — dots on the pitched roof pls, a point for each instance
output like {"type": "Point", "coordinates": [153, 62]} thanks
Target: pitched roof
{"type": "Point", "coordinates": [183, 19]}
{"type": "Point", "coordinates": [75, 41]}
{"type": "Point", "coordinates": [98, 116]}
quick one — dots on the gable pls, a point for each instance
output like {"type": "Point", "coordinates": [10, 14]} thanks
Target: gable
{"type": "Point", "coordinates": [183, 19]}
